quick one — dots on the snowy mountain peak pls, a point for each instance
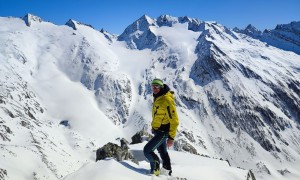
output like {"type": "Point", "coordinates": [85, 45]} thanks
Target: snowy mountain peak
{"type": "Point", "coordinates": [71, 23]}
{"type": "Point", "coordinates": [193, 24]}
{"type": "Point", "coordinates": [140, 25]}
{"type": "Point", "coordinates": [213, 31]}
{"type": "Point", "coordinates": [75, 24]}
{"type": "Point", "coordinates": [250, 27]}
{"type": "Point", "coordinates": [166, 20]}
{"type": "Point", "coordinates": [186, 19]}
{"type": "Point", "coordinates": [250, 30]}
{"type": "Point", "coordinates": [139, 35]}
{"type": "Point", "coordinates": [147, 19]}
{"type": "Point", "coordinates": [30, 18]}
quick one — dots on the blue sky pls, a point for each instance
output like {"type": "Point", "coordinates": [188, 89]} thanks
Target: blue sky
{"type": "Point", "coordinates": [115, 15]}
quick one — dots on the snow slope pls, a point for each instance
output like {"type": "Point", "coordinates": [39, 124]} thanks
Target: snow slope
{"type": "Point", "coordinates": [184, 165]}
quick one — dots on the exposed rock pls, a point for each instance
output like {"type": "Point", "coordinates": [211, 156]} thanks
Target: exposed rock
{"type": "Point", "coordinates": [250, 30]}
{"type": "Point", "coordinates": [193, 24]}
{"type": "Point", "coordinates": [107, 35]}
{"type": "Point", "coordinates": [183, 145]}
{"type": "Point", "coordinates": [65, 123]}
{"type": "Point", "coordinates": [71, 23]}
{"type": "Point", "coordinates": [114, 151]}
{"type": "Point", "coordinates": [262, 168]}
{"type": "Point", "coordinates": [142, 24]}
{"type": "Point", "coordinates": [29, 19]}
{"type": "Point", "coordinates": [120, 90]}
{"type": "Point", "coordinates": [284, 172]}
{"type": "Point", "coordinates": [124, 143]}
{"type": "Point", "coordinates": [8, 112]}
{"type": "Point", "coordinates": [189, 136]}
{"type": "Point", "coordinates": [74, 24]}
{"type": "Point", "coordinates": [3, 174]}
{"type": "Point", "coordinates": [140, 36]}
{"type": "Point", "coordinates": [141, 136]}
{"type": "Point", "coordinates": [166, 20]}
{"type": "Point", "coordinates": [2, 101]}
{"type": "Point", "coordinates": [250, 176]}
{"type": "Point", "coordinates": [4, 136]}
{"type": "Point", "coordinates": [30, 115]}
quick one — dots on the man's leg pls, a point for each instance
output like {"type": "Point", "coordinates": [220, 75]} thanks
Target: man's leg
{"type": "Point", "coordinates": [149, 148]}
{"type": "Point", "coordinates": [162, 149]}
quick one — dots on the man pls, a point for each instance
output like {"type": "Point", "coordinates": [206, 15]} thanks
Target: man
{"type": "Point", "coordinates": [164, 125]}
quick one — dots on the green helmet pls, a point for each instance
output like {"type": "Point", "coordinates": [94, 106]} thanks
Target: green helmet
{"type": "Point", "coordinates": [157, 81]}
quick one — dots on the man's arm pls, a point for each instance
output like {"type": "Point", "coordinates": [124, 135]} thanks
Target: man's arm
{"type": "Point", "coordinates": [172, 113]}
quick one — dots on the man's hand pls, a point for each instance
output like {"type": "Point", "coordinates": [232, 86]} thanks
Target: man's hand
{"type": "Point", "coordinates": [170, 142]}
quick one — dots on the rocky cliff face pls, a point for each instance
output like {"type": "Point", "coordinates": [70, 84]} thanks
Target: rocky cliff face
{"type": "Point", "coordinates": [139, 36]}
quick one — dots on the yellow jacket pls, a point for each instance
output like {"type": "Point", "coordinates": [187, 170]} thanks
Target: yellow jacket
{"type": "Point", "coordinates": [164, 114]}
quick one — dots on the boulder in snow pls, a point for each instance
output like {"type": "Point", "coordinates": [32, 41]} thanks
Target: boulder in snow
{"type": "Point", "coordinates": [124, 143]}
{"type": "Point", "coordinates": [114, 151]}
{"type": "Point", "coordinates": [141, 136]}
{"type": "Point", "coordinates": [65, 123]}
{"type": "Point", "coordinates": [183, 145]}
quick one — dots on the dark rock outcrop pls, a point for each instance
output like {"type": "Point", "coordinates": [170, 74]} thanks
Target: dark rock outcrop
{"type": "Point", "coordinates": [140, 136]}
{"type": "Point", "coordinates": [183, 145]}
{"type": "Point", "coordinates": [250, 176]}
{"type": "Point", "coordinates": [3, 174]}
{"type": "Point", "coordinates": [124, 143]}
{"type": "Point", "coordinates": [29, 18]}
{"type": "Point", "coordinates": [74, 24]}
{"type": "Point", "coordinates": [111, 150]}
{"type": "Point", "coordinates": [71, 24]}
{"type": "Point", "coordinates": [65, 123]}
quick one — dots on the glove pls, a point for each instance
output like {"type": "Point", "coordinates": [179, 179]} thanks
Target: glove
{"type": "Point", "coordinates": [170, 142]}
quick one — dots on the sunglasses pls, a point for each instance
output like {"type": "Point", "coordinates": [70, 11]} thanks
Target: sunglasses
{"type": "Point", "coordinates": [155, 86]}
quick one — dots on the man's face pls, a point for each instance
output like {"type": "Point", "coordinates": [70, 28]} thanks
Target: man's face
{"type": "Point", "coordinates": [155, 88]}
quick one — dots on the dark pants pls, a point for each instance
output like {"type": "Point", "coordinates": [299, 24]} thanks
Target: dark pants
{"type": "Point", "coordinates": [158, 142]}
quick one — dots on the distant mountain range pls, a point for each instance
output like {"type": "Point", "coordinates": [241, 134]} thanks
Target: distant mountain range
{"type": "Point", "coordinates": [237, 92]}
{"type": "Point", "coordinates": [284, 36]}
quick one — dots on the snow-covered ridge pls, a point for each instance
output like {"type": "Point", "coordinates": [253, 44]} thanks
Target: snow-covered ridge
{"type": "Point", "coordinates": [284, 36]}
{"type": "Point", "coordinates": [237, 97]}
{"type": "Point", "coordinates": [140, 36]}
{"type": "Point", "coordinates": [185, 166]}
{"type": "Point", "coordinates": [291, 27]}
{"type": "Point", "coordinates": [30, 18]}
{"type": "Point", "coordinates": [74, 24]}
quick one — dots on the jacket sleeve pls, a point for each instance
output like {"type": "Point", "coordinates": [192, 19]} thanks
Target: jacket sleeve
{"type": "Point", "coordinates": [174, 121]}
